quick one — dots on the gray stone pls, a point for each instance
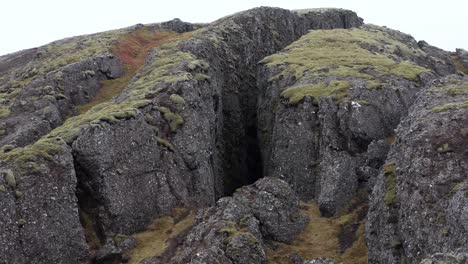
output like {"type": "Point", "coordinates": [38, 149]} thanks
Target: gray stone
{"type": "Point", "coordinates": [428, 213]}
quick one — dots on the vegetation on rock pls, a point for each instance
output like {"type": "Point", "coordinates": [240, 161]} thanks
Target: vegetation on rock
{"type": "Point", "coordinates": [367, 53]}
{"type": "Point", "coordinates": [390, 183]}
{"type": "Point", "coordinates": [160, 234]}
{"type": "Point", "coordinates": [321, 239]}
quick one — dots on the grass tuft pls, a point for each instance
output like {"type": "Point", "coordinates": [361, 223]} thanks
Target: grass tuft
{"type": "Point", "coordinates": [295, 94]}
{"type": "Point", "coordinates": [175, 120]}
{"type": "Point", "coordinates": [390, 183]}
{"type": "Point", "coordinates": [450, 106]}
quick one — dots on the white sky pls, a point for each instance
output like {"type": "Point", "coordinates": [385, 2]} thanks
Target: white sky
{"type": "Point", "coordinates": [31, 23]}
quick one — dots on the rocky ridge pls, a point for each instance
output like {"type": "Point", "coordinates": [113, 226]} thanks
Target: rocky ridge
{"type": "Point", "coordinates": [197, 117]}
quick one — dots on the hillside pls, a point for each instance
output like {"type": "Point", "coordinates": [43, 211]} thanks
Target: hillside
{"type": "Point", "coordinates": [268, 136]}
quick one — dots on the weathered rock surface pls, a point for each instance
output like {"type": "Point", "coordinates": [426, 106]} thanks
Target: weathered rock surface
{"type": "Point", "coordinates": [326, 122]}
{"type": "Point", "coordinates": [419, 205]}
{"type": "Point", "coordinates": [183, 132]}
{"type": "Point", "coordinates": [39, 92]}
{"type": "Point", "coordinates": [236, 229]}
{"type": "Point", "coordinates": [233, 46]}
{"type": "Point", "coordinates": [446, 259]}
{"type": "Point", "coordinates": [202, 118]}
{"type": "Point", "coordinates": [39, 221]}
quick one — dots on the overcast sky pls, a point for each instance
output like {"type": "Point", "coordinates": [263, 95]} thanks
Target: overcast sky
{"type": "Point", "coordinates": [31, 23]}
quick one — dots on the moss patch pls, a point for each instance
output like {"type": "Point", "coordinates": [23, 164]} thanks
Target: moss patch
{"type": "Point", "coordinates": [342, 53]}
{"type": "Point", "coordinates": [10, 179]}
{"type": "Point", "coordinates": [165, 143]}
{"type": "Point", "coordinates": [43, 149]}
{"type": "Point", "coordinates": [296, 93]}
{"type": "Point", "coordinates": [177, 99]}
{"type": "Point", "coordinates": [443, 149]}
{"type": "Point", "coordinates": [175, 120]}
{"type": "Point", "coordinates": [451, 90]}
{"type": "Point", "coordinates": [367, 53]}
{"type": "Point", "coordinates": [450, 106]}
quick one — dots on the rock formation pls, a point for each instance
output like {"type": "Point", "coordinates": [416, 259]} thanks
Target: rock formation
{"type": "Point", "coordinates": [245, 121]}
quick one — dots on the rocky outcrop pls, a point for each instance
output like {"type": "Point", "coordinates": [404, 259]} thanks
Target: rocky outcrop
{"type": "Point", "coordinates": [200, 117]}
{"type": "Point", "coordinates": [182, 133]}
{"type": "Point", "coordinates": [237, 228]}
{"type": "Point", "coordinates": [419, 204]}
{"type": "Point", "coordinates": [233, 46]}
{"type": "Point", "coordinates": [43, 104]}
{"type": "Point", "coordinates": [329, 147]}
{"type": "Point", "coordinates": [39, 221]}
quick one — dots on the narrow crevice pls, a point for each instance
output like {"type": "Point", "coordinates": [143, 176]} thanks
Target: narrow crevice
{"type": "Point", "coordinates": [242, 161]}
{"type": "Point", "coordinates": [87, 208]}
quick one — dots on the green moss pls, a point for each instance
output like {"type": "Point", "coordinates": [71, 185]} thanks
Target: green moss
{"type": "Point", "coordinates": [198, 64]}
{"type": "Point", "coordinates": [443, 149]}
{"type": "Point", "coordinates": [231, 230]}
{"type": "Point", "coordinates": [201, 77]}
{"type": "Point", "coordinates": [175, 120]}
{"type": "Point", "coordinates": [165, 143]}
{"type": "Point", "coordinates": [296, 93]}
{"type": "Point", "coordinates": [162, 69]}
{"type": "Point", "coordinates": [452, 90]}
{"type": "Point", "coordinates": [42, 149]}
{"type": "Point", "coordinates": [177, 99]}
{"type": "Point", "coordinates": [465, 193]}
{"type": "Point", "coordinates": [343, 53]}
{"type": "Point", "coordinates": [450, 106]}
{"type": "Point", "coordinates": [7, 148]}
{"type": "Point", "coordinates": [10, 179]}
{"type": "Point", "coordinates": [22, 222]}
{"type": "Point", "coordinates": [2, 188]}
{"type": "Point", "coordinates": [18, 194]}
{"type": "Point", "coordinates": [88, 73]}
{"type": "Point", "coordinates": [390, 183]}
{"type": "Point", "coordinates": [4, 112]}
{"type": "Point", "coordinates": [119, 238]}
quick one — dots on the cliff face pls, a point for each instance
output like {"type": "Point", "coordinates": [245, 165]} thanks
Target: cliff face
{"type": "Point", "coordinates": [102, 134]}
{"type": "Point", "coordinates": [419, 204]}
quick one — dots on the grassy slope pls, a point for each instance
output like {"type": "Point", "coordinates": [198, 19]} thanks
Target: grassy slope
{"type": "Point", "coordinates": [159, 71]}
{"type": "Point", "coordinates": [159, 235]}
{"type": "Point", "coordinates": [320, 239]}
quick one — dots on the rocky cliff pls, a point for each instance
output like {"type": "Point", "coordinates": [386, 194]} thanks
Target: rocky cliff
{"type": "Point", "coordinates": [107, 138]}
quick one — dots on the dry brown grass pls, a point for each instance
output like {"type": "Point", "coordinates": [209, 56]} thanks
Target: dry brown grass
{"type": "Point", "coordinates": [156, 239]}
{"type": "Point", "coordinates": [320, 239]}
